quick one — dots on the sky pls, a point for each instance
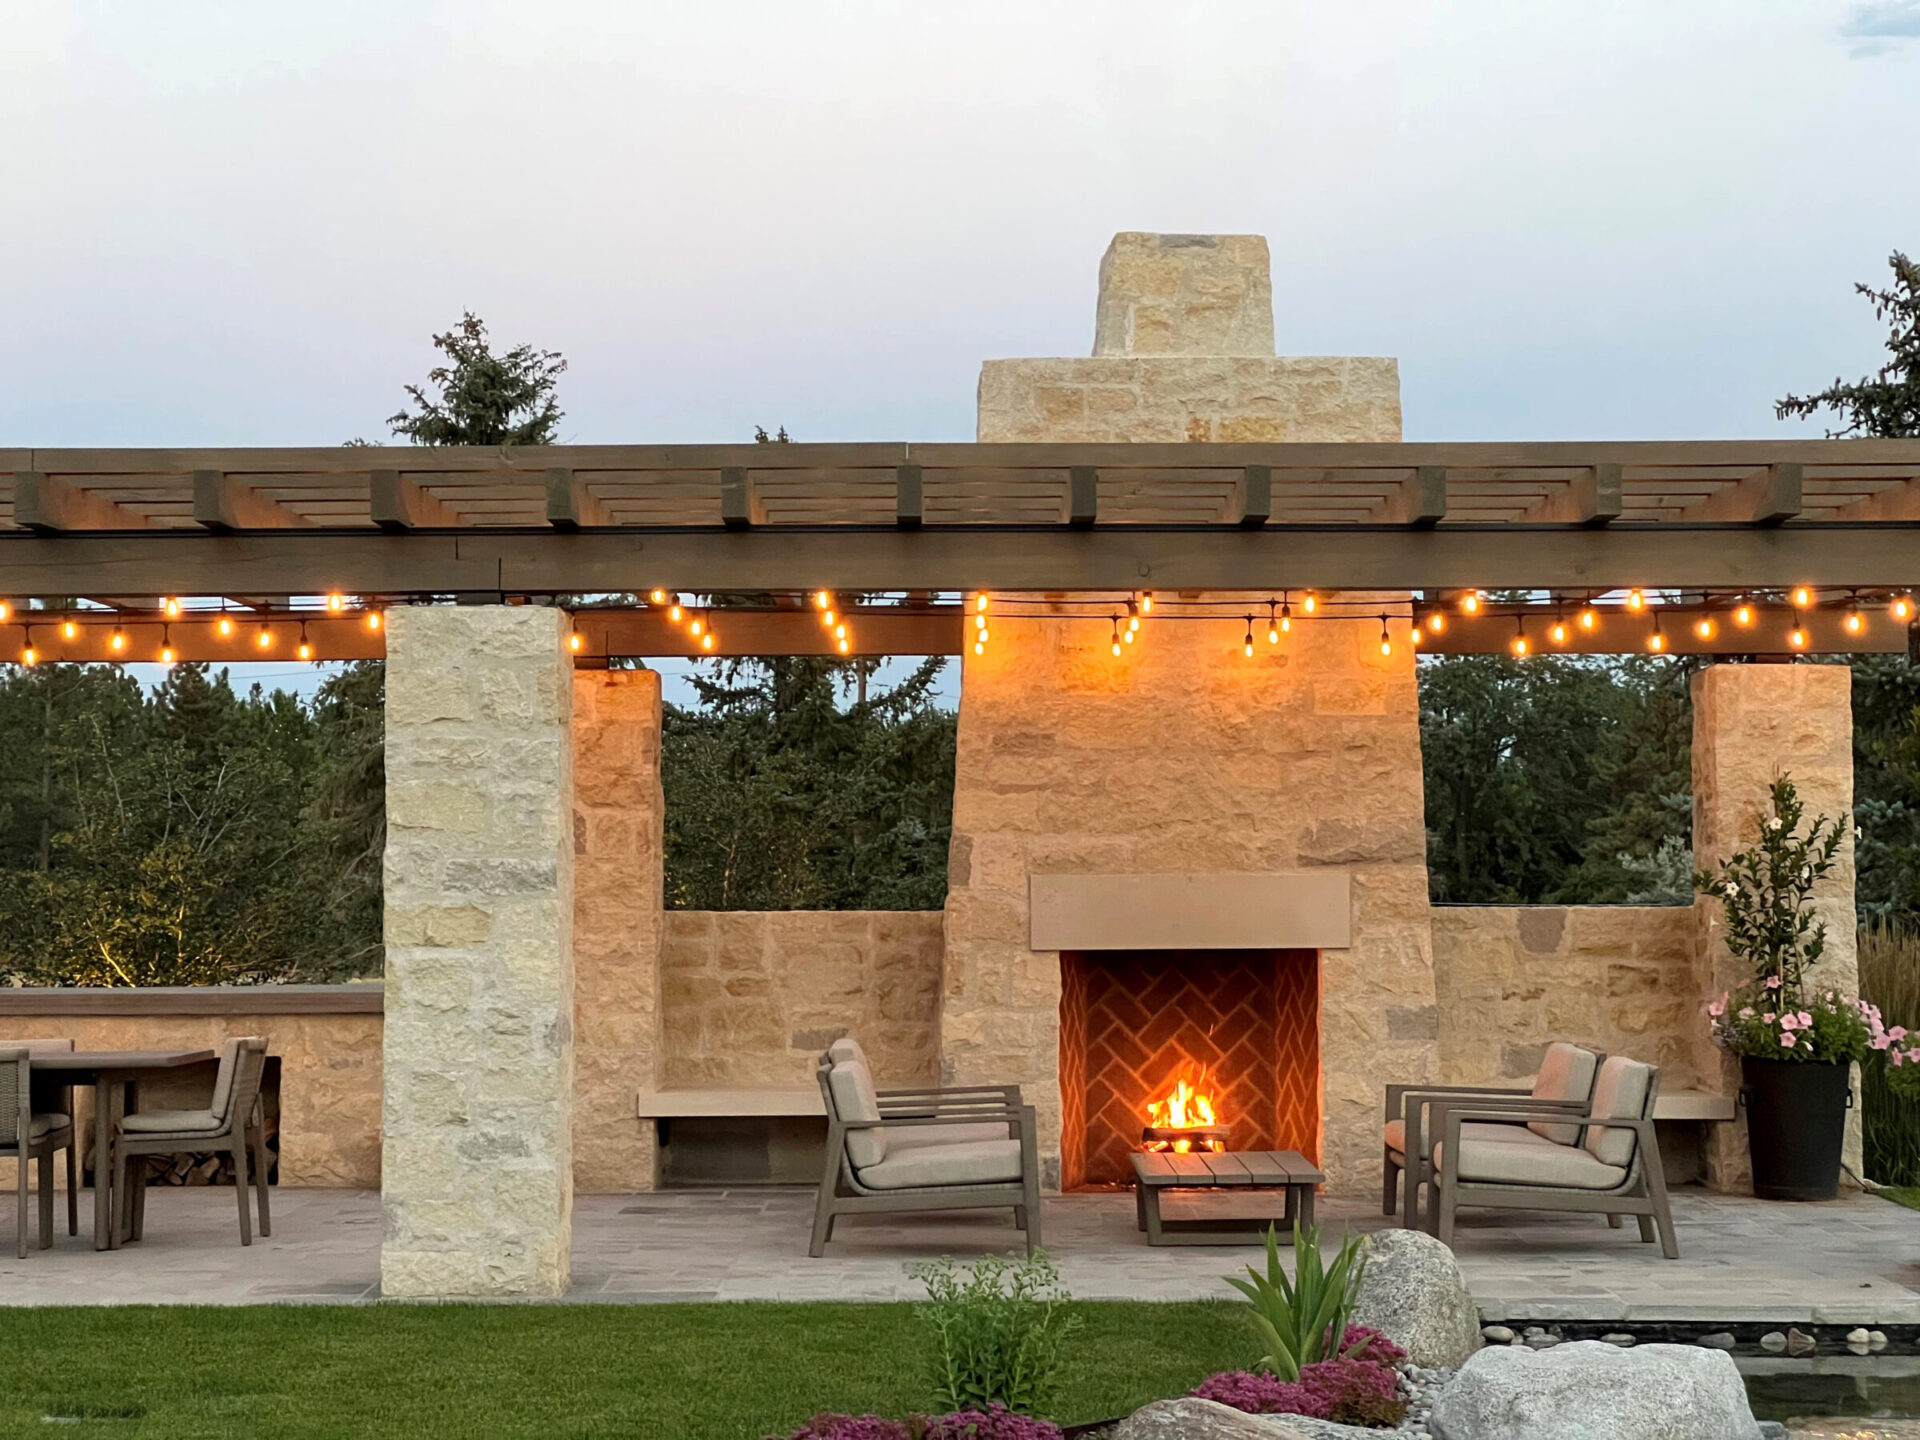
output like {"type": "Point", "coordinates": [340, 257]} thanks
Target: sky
{"type": "Point", "coordinates": [239, 224]}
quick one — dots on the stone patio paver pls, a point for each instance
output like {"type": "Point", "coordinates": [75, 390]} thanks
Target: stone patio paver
{"type": "Point", "coordinates": [1851, 1261]}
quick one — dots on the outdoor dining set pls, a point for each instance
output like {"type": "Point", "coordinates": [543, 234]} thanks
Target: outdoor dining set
{"type": "Point", "coordinates": [38, 1120]}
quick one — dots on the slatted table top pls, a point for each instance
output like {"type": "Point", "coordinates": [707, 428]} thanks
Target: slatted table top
{"type": "Point", "coordinates": [1206, 1170]}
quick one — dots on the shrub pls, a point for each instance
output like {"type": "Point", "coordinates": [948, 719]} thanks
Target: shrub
{"type": "Point", "coordinates": [994, 1423]}
{"type": "Point", "coordinates": [1298, 1317]}
{"type": "Point", "coordinates": [1367, 1343]}
{"type": "Point", "coordinates": [1890, 979]}
{"type": "Point", "coordinates": [850, 1427]}
{"type": "Point", "coordinates": [998, 1326]}
{"type": "Point", "coordinates": [1350, 1390]}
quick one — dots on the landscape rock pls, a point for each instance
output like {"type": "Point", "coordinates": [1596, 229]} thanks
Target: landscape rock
{"type": "Point", "coordinates": [1496, 1334]}
{"type": "Point", "coordinates": [1589, 1390]}
{"type": "Point", "coordinates": [1414, 1294]}
{"type": "Point", "coordinates": [1189, 1418]}
{"type": "Point", "coordinates": [1773, 1342]}
{"type": "Point", "coordinates": [1800, 1343]}
{"type": "Point", "coordinates": [1718, 1340]}
{"type": "Point", "coordinates": [1859, 1340]}
{"type": "Point", "coordinates": [1620, 1338]}
{"type": "Point", "coordinates": [1876, 1340]}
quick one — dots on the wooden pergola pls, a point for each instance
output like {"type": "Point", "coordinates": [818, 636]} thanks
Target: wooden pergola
{"type": "Point", "coordinates": [1701, 526]}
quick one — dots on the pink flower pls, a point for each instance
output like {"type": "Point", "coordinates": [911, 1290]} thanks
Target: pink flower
{"type": "Point", "coordinates": [1772, 982]}
{"type": "Point", "coordinates": [1787, 1041]}
{"type": "Point", "coordinates": [1746, 1012]}
{"type": "Point", "coordinates": [1897, 1057]}
{"type": "Point", "coordinates": [1717, 1008]}
{"type": "Point", "coordinates": [1896, 1032]}
{"type": "Point", "coordinates": [1805, 1019]}
{"type": "Point", "coordinates": [1767, 1019]}
{"type": "Point", "coordinates": [1881, 1042]}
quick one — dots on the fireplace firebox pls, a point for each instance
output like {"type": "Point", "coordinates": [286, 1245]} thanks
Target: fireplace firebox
{"type": "Point", "coordinates": [1186, 1049]}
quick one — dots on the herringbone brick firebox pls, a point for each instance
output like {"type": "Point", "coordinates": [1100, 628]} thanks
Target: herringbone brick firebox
{"type": "Point", "coordinates": [1129, 1021]}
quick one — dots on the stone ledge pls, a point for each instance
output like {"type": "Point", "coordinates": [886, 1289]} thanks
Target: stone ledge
{"type": "Point", "coordinates": [367, 999]}
{"type": "Point", "coordinates": [731, 1104]}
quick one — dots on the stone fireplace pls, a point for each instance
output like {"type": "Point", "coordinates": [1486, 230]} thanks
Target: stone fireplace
{"type": "Point", "coordinates": [1242, 1025]}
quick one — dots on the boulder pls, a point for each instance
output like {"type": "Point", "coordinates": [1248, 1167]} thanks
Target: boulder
{"type": "Point", "coordinates": [1587, 1390]}
{"type": "Point", "coordinates": [1189, 1418]}
{"type": "Point", "coordinates": [1414, 1294]}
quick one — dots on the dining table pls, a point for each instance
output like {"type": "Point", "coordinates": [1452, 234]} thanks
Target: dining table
{"type": "Point", "coordinates": [111, 1073]}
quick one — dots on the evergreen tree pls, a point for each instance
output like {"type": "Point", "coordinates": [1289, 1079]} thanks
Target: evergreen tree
{"type": "Point", "coordinates": [1886, 403]}
{"type": "Point", "coordinates": [482, 398]}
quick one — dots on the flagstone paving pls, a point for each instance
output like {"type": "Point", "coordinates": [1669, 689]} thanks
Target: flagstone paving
{"type": "Point", "coordinates": [1851, 1261]}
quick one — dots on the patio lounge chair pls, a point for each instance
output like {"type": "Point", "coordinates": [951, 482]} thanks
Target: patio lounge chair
{"type": "Point", "coordinates": [1615, 1170]}
{"type": "Point", "coordinates": [31, 1137]}
{"type": "Point", "coordinates": [234, 1122]}
{"type": "Point", "coordinates": [1414, 1115]}
{"type": "Point", "coordinates": [962, 1148]}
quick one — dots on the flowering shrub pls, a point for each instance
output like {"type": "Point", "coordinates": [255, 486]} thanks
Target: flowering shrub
{"type": "Point", "coordinates": [996, 1422]}
{"type": "Point", "coordinates": [1758, 1020]}
{"type": "Point", "coordinates": [1349, 1389]}
{"type": "Point", "coordinates": [1368, 1343]}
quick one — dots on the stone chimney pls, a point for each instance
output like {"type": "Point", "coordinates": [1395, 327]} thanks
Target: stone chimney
{"type": "Point", "coordinates": [1184, 295]}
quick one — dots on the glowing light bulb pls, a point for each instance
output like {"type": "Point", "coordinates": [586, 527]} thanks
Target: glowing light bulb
{"type": "Point", "coordinates": [1520, 646]}
{"type": "Point", "coordinates": [336, 602]}
{"type": "Point", "coordinates": [978, 648]}
{"type": "Point", "coordinates": [1146, 602]}
{"type": "Point", "coordinates": [1470, 602]}
{"type": "Point", "coordinates": [1133, 623]}
{"type": "Point", "coordinates": [982, 637]}
{"type": "Point", "coordinates": [1386, 640]}
{"type": "Point", "coordinates": [118, 640]}
{"type": "Point", "coordinates": [839, 632]}
{"type": "Point", "coordinates": [1247, 644]}
{"type": "Point", "coordinates": [29, 656]}
{"type": "Point", "coordinates": [845, 645]}
{"type": "Point", "coordinates": [1437, 621]}
{"type": "Point", "coordinates": [1286, 618]}
{"type": "Point", "coordinates": [1127, 635]}
{"type": "Point", "coordinates": [1901, 608]}
{"type": "Point", "coordinates": [1309, 602]}
{"type": "Point", "coordinates": [1636, 602]}
{"type": "Point", "coordinates": [265, 638]}
{"type": "Point", "coordinates": [225, 627]}
{"type": "Point", "coordinates": [1416, 635]}
{"type": "Point", "coordinates": [1802, 597]}
{"type": "Point", "coordinates": [1273, 632]}
{"type": "Point", "coordinates": [979, 622]}
{"type": "Point", "coordinates": [827, 618]}
{"type": "Point", "coordinates": [1656, 642]}
{"type": "Point", "coordinates": [305, 650]}
{"type": "Point", "coordinates": [69, 630]}
{"type": "Point", "coordinates": [675, 613]}
{"type": "Point", "coordinates": [1855, 621]}
{"type": "Point", "coordinates": [706, 641]}
{"type": "Point", "coordinates": [1797, 637]}
{"type": "Point", "coordinates": [5, 610]}
{"type": "Point", "coordinates": [576, 642]}
{"type": "Point", "coordinates": [1558, 634]}
{"type": "Point", "coordinates": [697, 626]}
{"type": "Point", "coordinates": [166, 655]}
{"type": "Point", "coordinates": [373, 620]}
{"type": "Point", "coordinates": [656, 597]}
{"type": "Point", "coordinates": [822, 600]}
{"type": "Point", "coordinates": [1704, 627]}
{"type": "Point", "coordinates": [1743, 614]}
{"type": "Point", "coordinates": [170, 606]}
{"type": "Point", "coordinates": [1587, 619]}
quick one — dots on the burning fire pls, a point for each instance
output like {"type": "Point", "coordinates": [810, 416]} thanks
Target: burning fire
{"type": "Point", "coordinates": [1188, 1106]}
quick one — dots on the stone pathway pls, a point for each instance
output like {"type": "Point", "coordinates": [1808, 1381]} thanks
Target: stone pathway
{"type": "Point", "coordinates": [1853, 1261]}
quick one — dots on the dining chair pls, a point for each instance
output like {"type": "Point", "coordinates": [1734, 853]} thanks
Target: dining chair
{"type": "Point", "coordinates": [30, 1137]}
{"type": "Point", "coordinates": [43, 1045]}
{"type": "Point", "coordinates": [234, 1123]}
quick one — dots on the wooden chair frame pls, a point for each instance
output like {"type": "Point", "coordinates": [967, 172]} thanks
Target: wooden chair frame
{"type": "Point", "coordinates": [1642, 1193]}
{"type": "Point", "coordinates": [841, 1192]}
{"type": "Point", "coordinates": [18, 1137]}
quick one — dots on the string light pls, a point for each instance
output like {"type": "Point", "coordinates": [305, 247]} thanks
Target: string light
{"type": "Point", "coordinates": [1436, 621]}
{"type": "Point", "coordinates": [1704, 627]}
{"type": "Point", "coordinates": [265, 638]}
{"type": "Point", "coordinates": [1309, 602]}
{"type": "Point", "coordinates": [1146, 602]}
{"type": "Point", "coordinates": [1386, 640]}
{"type": "Point", "coordinates": [1588, 619]}
{"type": "Point", "coordinates": [1901, 608]}
{"type": "Point", "coordinates": [373, 620]}
{"type": "Point", "coordinates": [1802, 597]}
{"type": "Point", "coordinates": [822, 600]}
{"type": "Point", "coordinates": [576, 642]}
{"type": "Point", "coordinates": [28, 655]}
{"type": "Point", "coordinates": [1558, 634]}
{"type": "Point", "coordinates": [117, 641]}
{"type": "Point", "coordinates": [167, 657]}
{"type": "Point", "coordinates": [1656, 642]}
{"type": "Point", "coordinates": [5, 610]}
{"type": "Point", "coordinates": [1286, 616]}
{"type": "Point", "coordinates": [336, 602]}
{"type": "Point", "coordinates": [1247, 644]}
{"type": "Point", "coordinates": [1854, 621]}
{"type": "Point", "coordinates": [1470, 603]}
{"type": "Point", "coordinates": [69, 630]}
{"type": "Point", "coordinates": [706, 640]}
{"type": "Point", "coordinates": [828, 618]}
{"type": "Point", "coordinates": [846, 645]}
{"type": "Point", "coordinates": [1519, 645]}
{"type": "Point", "coordinates": [699, 624]}
{"type": "Point", "coordinates": [982, 636]}
{"type": "Point", "coordinates": [1797, 637]}
{"type": "Point", "coordinates": [1273, 624]}
{"type": "Point", "coordinates": [839, 632]}
{"type": "Point", "coordinates": [656, 596]}
{"type": "Point", "coordinates": [1743, 614]}
{"type": "Point", "coordinates": [1116, 638]}
{"type": "Point", "coordinates": [305, 651]}
{"type": "Point", "coordinates": [675, 613]}
{"type": "Point", "coordinates": [1636, 602]}
{"type": "Point", "coordinates": [1416, 635]}
{"type": "Point", "coordinates": [225, 626]}
{"type": "Point", "coordinates": [170, 607]}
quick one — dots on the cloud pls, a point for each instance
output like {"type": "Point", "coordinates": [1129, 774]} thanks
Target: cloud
{"type": "Point", "coordinates": [1878, 27]}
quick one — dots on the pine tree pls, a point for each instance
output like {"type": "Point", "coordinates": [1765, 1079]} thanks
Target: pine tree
{"type": "Point", "coordinates": [1885, 404]}
{"type": "Point", "coordinates": [483, 398]}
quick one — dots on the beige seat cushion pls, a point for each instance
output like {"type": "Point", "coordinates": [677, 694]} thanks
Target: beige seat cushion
{"type": "Point", "coordinates": [1621, 1091]}
{"type": "Point", "coordinates": [973, 1162]}
{"type": "Point", "coordinates": [1469, 1130]}
{"type": "Point", "coordinates": [853, 1099]}
{"type": "Point", "coordinates": [38, 1126]}
{"type": "Point", "coordinates": [1566, 1073]}
{"type": "Point", "coordinates": [1531, 1161]}
{"type": "Point", "coordinates": [172, 1122]}
{"type": "Point", "coordinates": [848, 1048]}
{"type": "Point", "coordinates": [903, 1136]}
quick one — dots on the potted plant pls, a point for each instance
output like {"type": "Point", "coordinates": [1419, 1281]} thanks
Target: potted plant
{"type": "Point", "coordinates": [1796, 1045]}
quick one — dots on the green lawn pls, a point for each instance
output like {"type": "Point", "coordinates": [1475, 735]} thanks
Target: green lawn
{"type": "Point", "coordinates": [1907, 1195]}
{"type": "Point", "coordinates": [679, 1372]}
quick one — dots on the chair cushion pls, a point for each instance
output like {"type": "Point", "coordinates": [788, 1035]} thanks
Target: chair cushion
{"type": "Point", "coordinates": [1469, 1130]}
{"type": "Point", "coordinates": [37, 1126]}
{"type": "Point", "coordinates": [853, 1099]}
{"type": "Point", "coordinates": [848, 1048]}
{"type": "Point", "coordinates": [1620, 1091]}
{"type": "Point", "coordinates": [972, 1162]}
{"type": "Point", "coordinates": [173, 1122]}
{"type": "Point", "coordinates": [224, 1077]}
{"type": "Point", "coordinates": [909, 1135]}
{"type": "Point", "coordinates": [1566, 1073]}
{"type": "Point", "coordinates": [1531, 1161]}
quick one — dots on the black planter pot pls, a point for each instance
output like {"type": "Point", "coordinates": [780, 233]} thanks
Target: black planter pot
{"type": "Point", "coordinates": [1796, 1120]}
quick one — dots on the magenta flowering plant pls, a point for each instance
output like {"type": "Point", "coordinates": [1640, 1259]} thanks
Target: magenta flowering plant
{"type": "Point", "coordinates": [1825, 1028]}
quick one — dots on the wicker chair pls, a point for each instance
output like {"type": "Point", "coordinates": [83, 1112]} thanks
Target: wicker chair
{"type": "Point", "coordinates": [1614, 1171]}
{"type": "Point", "coordinates": [32, 1137]}
{"type": "Point", "coordinates": [233, 1124]}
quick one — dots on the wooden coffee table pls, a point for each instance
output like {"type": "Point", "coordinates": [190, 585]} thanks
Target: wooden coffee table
{"type": "Point", "coordinates": [1242, 1171]}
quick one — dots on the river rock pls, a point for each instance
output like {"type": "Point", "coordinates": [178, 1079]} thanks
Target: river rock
{"type": "Point", "coordinates": [1773, 1342]}
{"type": "Point", "coordinates": [1414, 1294]}
{"type": "Point", "coordinates": [1189, 1418]}
{"type": "Point", "coordinates": [1718, 1340]}
{"type": "Point", "coordinates": [1800, 1343]}
{"type": "Point", "coordinates": [1588, 1390]}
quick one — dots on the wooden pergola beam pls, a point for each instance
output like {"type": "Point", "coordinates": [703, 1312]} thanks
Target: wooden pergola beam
{"type": "Point", "coordinates": [395, 503]}
{"type": "Point", "coordinates": [224, 504]}
{"type": "Point", "coordinates": [1420, 500]}
{"type": "Point", "coordinates": [52, 506]}
{"type": "Point", "coordinates": [1592, 498]}
{"type": "Point", "coordinates": [1769, 496]}
{"type": "Point", "coordinates": [569, 505]}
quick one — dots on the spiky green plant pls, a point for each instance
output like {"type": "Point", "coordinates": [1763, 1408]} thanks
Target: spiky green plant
{"type": "Point", "coordinates": [1302, 1318]}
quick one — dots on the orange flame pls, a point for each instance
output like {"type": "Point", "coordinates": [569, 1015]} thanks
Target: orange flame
{"type": "Point", "coordinates": [1187, 1105]}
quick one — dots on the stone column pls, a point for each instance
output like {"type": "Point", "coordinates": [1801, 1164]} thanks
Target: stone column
{"type": "Point", "coordinates": [1751, 724]}
{"type": "Point", "coordinates": [477, 1154]}
{"type": "Point", "coordinates": [618, 925]}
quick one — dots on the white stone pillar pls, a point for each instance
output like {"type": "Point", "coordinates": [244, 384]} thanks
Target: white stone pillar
{"type": "Point", "coordinates": [477, 1154]}
{"type": "Point", "coordinates": [1752, 723]}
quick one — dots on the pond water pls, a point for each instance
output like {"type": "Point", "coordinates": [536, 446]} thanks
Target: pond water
{"type": "Point", "coordinates": [1871, 1387]}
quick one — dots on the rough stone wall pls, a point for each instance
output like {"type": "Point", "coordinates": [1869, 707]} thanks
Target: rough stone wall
{"type": "Point", "coordinates": [1616, 977]}
{"type": "Point", "coordinates": [477, 1161]}
{"type": "Point", "coordinates": [618, 851]}
{"type": "Point", "coordinates": [751, 997]}
{"type": "Point", "coordinates": [1174, 398]}
{"type": "Point", "coordinates": [1184, 295]}
{"type": "Point", "coordinates": [1752, 723]}
{"type": "Point", "coordinates": [329, 1079]}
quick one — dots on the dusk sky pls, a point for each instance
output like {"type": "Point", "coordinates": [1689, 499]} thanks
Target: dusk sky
{"type": "Point", "coordinates": [234, 224]}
